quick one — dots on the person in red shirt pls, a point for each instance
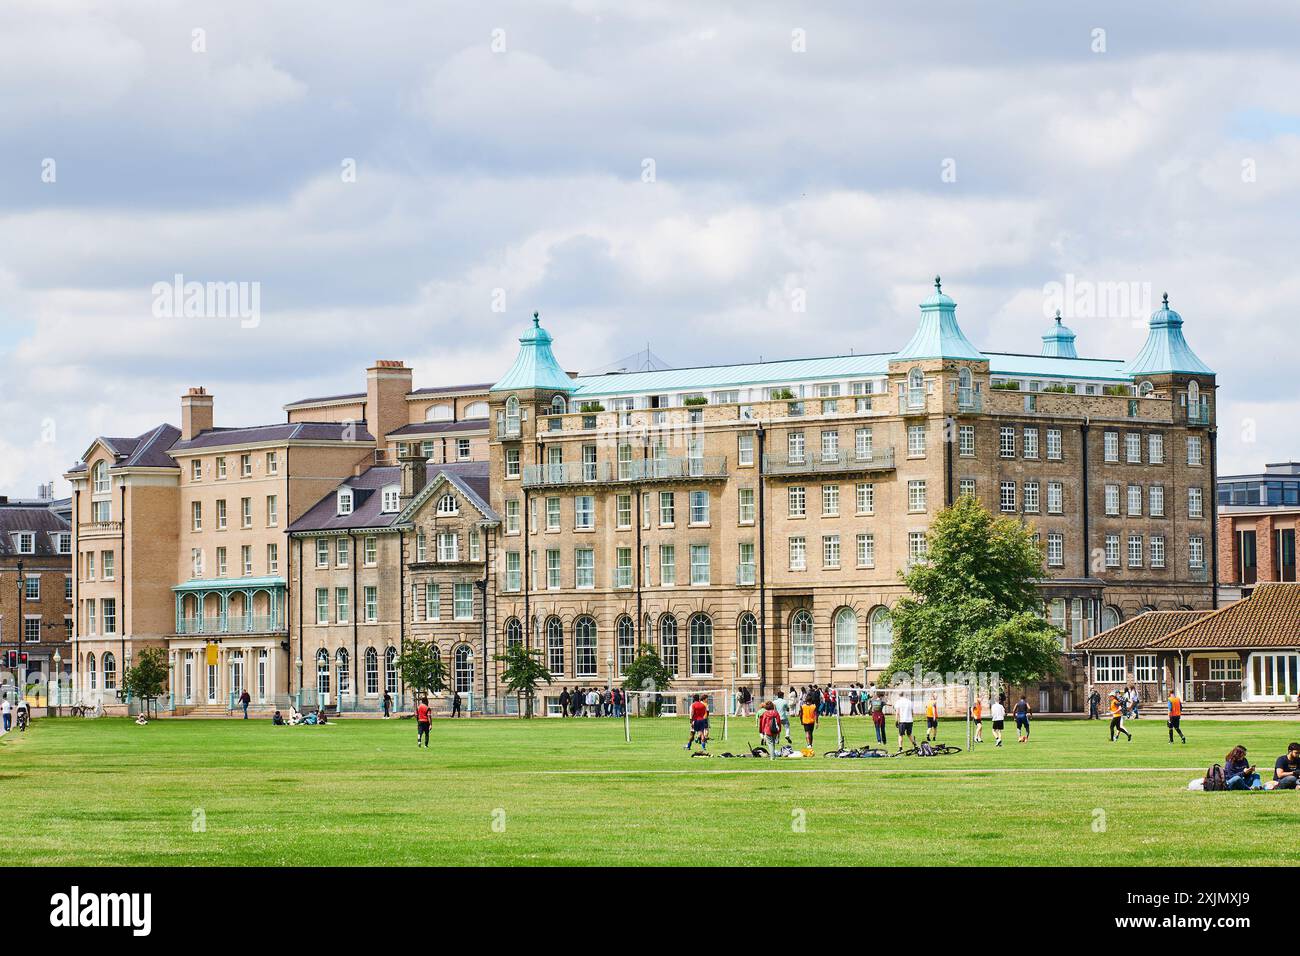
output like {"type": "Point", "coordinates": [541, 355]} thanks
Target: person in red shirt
{"type": "Point", "coordinates": [699, 723]}
{"type": "Point", "coordinates": [422, 724]}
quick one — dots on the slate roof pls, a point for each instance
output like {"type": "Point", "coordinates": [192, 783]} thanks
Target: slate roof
{"type": "Point", "coordinates": [446, 389]}
{"type": "Point", "coordinates": [470, 477]}
{"type": "Point", "coordinates": [282, 431]}
{"type": "Point", "coordinates": [144, 451]}
{"type": "Point", "coordinates": [1141, 631]}
{"type": "Point", "coordinates": [438, 428]}
{"type": "Point", "coordinates": [37, 517]}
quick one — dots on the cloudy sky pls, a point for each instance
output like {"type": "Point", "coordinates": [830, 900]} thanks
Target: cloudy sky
{"type": "Point", "coordinates": [718, 181]}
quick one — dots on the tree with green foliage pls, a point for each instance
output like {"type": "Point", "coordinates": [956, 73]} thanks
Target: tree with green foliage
{"type": "Point", "coordinates": [422, 668]}
{"type": "Point", "coordinates": [146, 679]}
{"type": "Point", "coordinates": [648, 672]}
{"type": "Point", "coordinates": [974, 605]}
{"type": "Point", "coordinates": [524, 671]}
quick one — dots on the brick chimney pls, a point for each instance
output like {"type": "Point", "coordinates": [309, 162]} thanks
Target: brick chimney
{"type": "Point", "coordinates": [196, 412]}
{"type": "Point", "coordinates": [387, 385]}
{"type": "Point", "coordinates": [415, 472]}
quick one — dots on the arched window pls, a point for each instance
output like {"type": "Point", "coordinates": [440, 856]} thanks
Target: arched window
{"type": "Point", "coordinates": [801, 639]}
{"type": "Point", "coordinates": [748, 631]}
{"type": "Point", "coordinates": [514, 632]}
{"type": "Point", "coordinates": [1111, 616]}
{"type": "Point", "coordinates": [512, 415]}
{"type": "Point", "coordinates": [390, 671]}
{"type": "Point", "coordinates": [882, 637]}
{"type": "Point", "coordinates": [476, 410]}
{"type": "Point", "coordinates": [447, 505]}
{"type": "Point", "coordinates": [626, 632]}
{"type": "Point", "coordinates": [341, 666]}
{"type": "Point", "coordinates": [701, 636]}
{"type": "Point", "coordinates": [463, 669]}
{"type": "Point", "coordinates": [101, 477]}
{"type": "Point", "coordinates": [322, 671]}
{"type": "Point", "coordinates": [964, 386]}
{"type": "Point", "coordinates": [846, 638]}
{"type": "Point", "coordinates": [648, 632]}
{"type": "Point", "coordinates": [110, 671]}
{"type": "Point", "coordinates": [1147, 607]}
{"type": "Point", "coordinates": [554, 646]}
{"type": "Point", "coordinates": [1146, 388]}
{"type": "Point", "coordinates": [90, 669]}
{"type": "Point", "coordinates": [372, 672]}
{"type": "Point", "coordinates": [1193, 395]}
{"type": "Point", "coordinates": [668, 643]}
{"type": "Point", "coordinates": [558, 405]}
{"type": "Point", "coordinates": [584, 647]}
{"type": "Point", "coordinates": [915, 388]}
{"type": "Point", "coordinates": [438, 413]}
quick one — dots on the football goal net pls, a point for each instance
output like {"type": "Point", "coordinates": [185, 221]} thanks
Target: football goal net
{"type": "Point", "coordinates": [676, 703]}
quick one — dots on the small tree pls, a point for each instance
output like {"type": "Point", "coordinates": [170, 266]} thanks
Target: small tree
{"type": "Point", "coordinates": [147, 677]}
{"type": "Point", "coordinates": [648, 672]}
{"type": "Point", "coordinates": [524, 671]}
{"type": "Point", "coordinates": [422, 668]}
{"type": "Point", "coordinates": [976, 606]}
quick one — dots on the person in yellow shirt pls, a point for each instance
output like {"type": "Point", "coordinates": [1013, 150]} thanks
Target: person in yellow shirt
{"type": "Point", "coordinates": [976, 712]}
{"type": "Point", "coordinates": [1175, 716]}
{"type": "Point", "coordinates": [808, 717]}
{"type": "Point", "coordinates": [1116, 718]}
{"type": "Point", "coordinates": [932, 719]}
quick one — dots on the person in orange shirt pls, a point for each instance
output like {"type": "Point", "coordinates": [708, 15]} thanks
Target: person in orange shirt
{"type": "Point", "coordinates": [808, 717]}
{"type": "Point", "coordinates": [932, 719]}
{"type": "Point", "coordinates": [1116, 718]}
{"type": "Point", "coordinates": [975, 712]}
{"type": "Point", "coordinates": [422, 724]}
{"type": "Point", "coordinates": [1175, 716]}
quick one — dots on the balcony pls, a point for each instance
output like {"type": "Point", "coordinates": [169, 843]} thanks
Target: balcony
{"type": "Point", "coordinates": [509, 428]}
{"type": "Point", "coordinates": [1199, 575]}
{"type": "Point", "coordinates": [231, 624]}
{"type": "Point", "coordinates": [99, 529]}
{"type": "Point", "coordinates": [1199, 415]}
{"type": "Point", "coordinates": [969, 402]}
{"type": "Point", "coordinates": [643, 469]}
{"type": "Point", "coordinates": [839, 463]}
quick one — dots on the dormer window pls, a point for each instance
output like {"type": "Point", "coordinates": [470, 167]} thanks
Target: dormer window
{"type": "Point", "coordinates": [447, 505]}
{"type": "Point", "coordinates": [26, 542]}
{"type": "Point", "coordinates": [391, 501]}
{"type": "Point", "coordinates": [345, 501]}
{"type": "Point", "coordinates": [63, 541]}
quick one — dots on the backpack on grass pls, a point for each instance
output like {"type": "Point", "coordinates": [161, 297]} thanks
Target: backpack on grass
{"type": "Point", "coordinates": [1214, 779]}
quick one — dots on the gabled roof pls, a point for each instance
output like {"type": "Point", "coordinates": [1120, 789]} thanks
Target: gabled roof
{"type": "Point", "coordinates": [1165, 349]}
{"type": "Point", "coordinates": [1270, 617]}
{"type": "Point", "coordinates": [470, 478]}
{"type": "Point", "coordinates": [1141, 631]}
{"type": "Point", "coordinates": [279, 432]}
{"type": "Point", "coordinates": [535, 365]}
{"type": "Point", "coordinates": [143, 451]}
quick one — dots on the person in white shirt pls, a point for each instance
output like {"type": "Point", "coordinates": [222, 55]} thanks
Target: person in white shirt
{"type": "Point", "coordinates": [7, 709]}
{"type": "Point", "coordinates": [783, 709]}
{"type": "Point", "coordinates": [999, 715]}
{"type": "Point", "coordinates": [903, 718]}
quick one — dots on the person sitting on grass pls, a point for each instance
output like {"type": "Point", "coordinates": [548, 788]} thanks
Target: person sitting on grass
{"type": "Point", "coordinates": [1238, 772]}
{"type": "Point", "coordinates": [277, 719]}
{"type": "Point", "coordinates": [1287, 769]}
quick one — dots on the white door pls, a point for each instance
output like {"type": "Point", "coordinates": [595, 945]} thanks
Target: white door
{"type": "Point", "coordinates": [189, 677]}
{"type": "Point", "coordinates": [1044, 700]}
{"type": "Point", "coordinates": [212, 683]}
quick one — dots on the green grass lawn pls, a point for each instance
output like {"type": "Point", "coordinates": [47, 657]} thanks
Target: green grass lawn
{"type": "Point", "coordinates": [358, 792]}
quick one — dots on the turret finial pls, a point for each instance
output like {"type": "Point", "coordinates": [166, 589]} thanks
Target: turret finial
{"type": "Point", "coordinates": [1058, 316]}
{"type": "Point", "coordinates": [938, 287]}
{"type": "Point", "coordinates": [1166, 300]}
{"type": "Point", "coordinates": [537, 319]}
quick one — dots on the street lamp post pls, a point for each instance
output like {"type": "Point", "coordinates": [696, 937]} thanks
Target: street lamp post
{"type": "Point", "coordinates": [18, 635]}
{"type": "Point", "coordinates": [58, 676]}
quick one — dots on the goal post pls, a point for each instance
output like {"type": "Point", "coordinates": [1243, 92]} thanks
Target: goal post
{"type": "Point", "coordinates": [949, 698]}
{"type": "Point", "coordinates": [674, 702]}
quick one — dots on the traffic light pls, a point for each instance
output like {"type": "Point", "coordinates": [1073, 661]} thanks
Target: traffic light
{"type": "Point", "coordinates": [22, 658]}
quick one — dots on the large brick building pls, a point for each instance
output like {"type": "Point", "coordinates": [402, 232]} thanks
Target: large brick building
{"type": "Point", "coordinates": [1259, 515]}
{"type": "Point", "coordinates": [35, 589]}
{"type": "Point", "coordinates": [762, 511]}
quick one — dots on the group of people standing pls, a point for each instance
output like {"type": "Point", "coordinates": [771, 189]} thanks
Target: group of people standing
{"type": "Point", "coordinates": [593, 702]}
{"type": "Point", "coordinates": [1129, 699]}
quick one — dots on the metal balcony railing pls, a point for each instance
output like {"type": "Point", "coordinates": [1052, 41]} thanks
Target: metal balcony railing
{"type": "Point", "coordinates": [1199, 415]}
{"type": "Point", "coordinates": [641, 469]}
{"type": "Point", "coordinates": [879, 460]}
{"type": "Point", "coordinates": [969, 401]}
{"type": "Point", "coordinates": [1214, 691]}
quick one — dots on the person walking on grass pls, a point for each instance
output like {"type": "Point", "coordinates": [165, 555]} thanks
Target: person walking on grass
{"type": "Point", "coordinates": [455, 703]}
{"type": "Point", "coordinates": [1094, 703]}
{"type": "Point", "coordinates": [1116, 717]}
{"type": "Point", "coordinates": [903, 715]}
{"type": "Point", "coordinates": [1175, 716]}
{"type": "Point", "coordinates": [999, 714]}
{"type": "Point", "coordinates": [932, 719]}
{"type": "Point", "coordinates": [6, 709]}
{"type": "Point", "coordinates": [244, 701]}
{"type": "Point", "coordinates": [422, 724]}
{"type": "Point", "coordinates": [564, 702]}
{"type": "Point", "coordinates": [769, 725]}
{"type": "Point", "coordinates": [699, 723]}
{"type": "Point", "coordinates": [809, 714]}
{"type": "Point", "coordinates": [388, 705]}
{"type": "Point", "coordinates": [1023, 713]}
{"type": "Point", "coordinates": [976, 711]}
{"type": "Point", "coordinates": [782, 707]}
